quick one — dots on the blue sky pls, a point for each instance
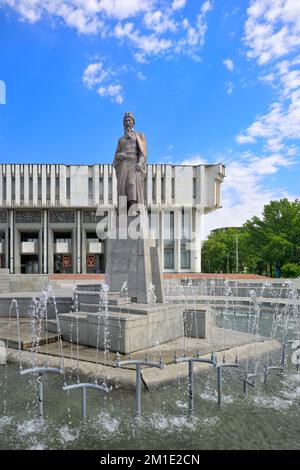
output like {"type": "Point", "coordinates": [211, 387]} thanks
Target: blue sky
{"type": "Point", "coordinates": [208, 81]}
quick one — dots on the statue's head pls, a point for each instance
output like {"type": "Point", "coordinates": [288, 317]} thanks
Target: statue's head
{"type": "Point", "coordinates": [128, 121]}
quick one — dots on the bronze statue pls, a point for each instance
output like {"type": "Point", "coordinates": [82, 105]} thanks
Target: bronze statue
{"type": "Point", "coordinates": [130, 163]}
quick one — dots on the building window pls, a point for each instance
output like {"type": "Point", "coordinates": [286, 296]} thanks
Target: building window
{"type": "Point", "coordinates": [194, 188]}
{"type": "Point", "coordinates": [57, 189]}
{"type": "Point", "coordinates": [186, 218]}
{"type": "Point", "coordinates": [39, 188]}
{"type": "Point", "coordinates": [68, 188]}
{"type": "Point", "coordinates": [168, 240]}
{"type": "Point", "coordinates": [4, 188]}
{"type": "Point", "coordinates": [162, 190]}
{"type": "Point", "coordinates": [110, 195]}
{"type": "Point", "coordinates": [173, 188]}
{"type": "Point", "coordinates": [22, 189]}
{"type": "Point", "coordinates": [30, 189]}
{"type": "Point", "coordinates": [48, 188]}
{"type": "Point", "coordinates": [90, 190]}
{"type": "Point", "coordinates": [185, 257]}
{"type": "Point", "coordinates": [101, 190]}
{"type": "Point", "coordinates": [13, 188]}
{"type": "Point", "coordinates": [169, 257]}
{"type": "Point", "coordinates": [153, 190]}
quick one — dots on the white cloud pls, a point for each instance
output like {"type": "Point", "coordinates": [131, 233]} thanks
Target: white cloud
{"type": "Point", "coordinates": [272, 35]}
{"type": "Point", "coordinates": [245, 139]}
{"type": "Point", "coordinates": [87, 16]}
{"type": "Point", "coordinates": [195, 35]}
{"type": "Point", "coordinates": [194, 160]}
{"type": "Point", "coordinates": [178, 4]}
{"type": "Point", "coordinates": [95, 74]}
{"type": "Point", "coordinates": [163, 31]}
{"type": "Point", "coordinates": [141, 76]}
{"type": "Point", "coordinates": [272, 29]}
{"type": "Point", "coordinates": [145, 44]}
{"type": "Point", "coordinates": [244, 190]}
{"type": "Point", "coordinates": [229, 88]}
{"type": "Point", "coordinates": [114, 91]}
{"type": "Point", "coordinates": [159, 21]}
{"type": "Point", "coordinates": [229, 64]}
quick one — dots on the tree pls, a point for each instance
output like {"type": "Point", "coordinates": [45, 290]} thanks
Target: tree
{"type": "Point", "coordinates": [266, 244]}
{"type": "Point", "coordinates": [290, 270]}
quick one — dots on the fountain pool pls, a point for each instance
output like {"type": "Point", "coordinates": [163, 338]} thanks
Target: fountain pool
{"type": "Point", "coordinates": [266, 417]}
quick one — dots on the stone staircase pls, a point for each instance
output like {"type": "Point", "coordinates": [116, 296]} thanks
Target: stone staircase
{"type": "Point", "coordinates": [4, 281]}
{"type": "Point", "coordinates": [129, 326]}
{"type": "Point", "coordinates": [89, 301]}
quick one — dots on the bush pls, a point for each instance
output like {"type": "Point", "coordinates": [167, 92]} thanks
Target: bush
{"type": "Point", "coordinates": [290, 270]}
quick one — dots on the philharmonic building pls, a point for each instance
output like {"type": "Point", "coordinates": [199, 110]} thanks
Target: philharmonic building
{"type": "Point", "coordinates": [49, 214]}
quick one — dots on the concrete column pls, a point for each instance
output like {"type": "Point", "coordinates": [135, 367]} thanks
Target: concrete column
{"type": "Point", "coordinates": [202, 186]}
{"type": "Point", "coordinates": [8, 185]}
{"type": "Point", "coordinates": [78, 242]}
{"type": "Point", "coordinates": [63, 185]}
{"type": "Point", "coordinates": [161, 241]}
{"type": "Point", "coordinates": [177, 239]}
{"type": "Point", "coordinates": [40, 251]}
{"type": "Point", "coordinates": [198, 184]}
{"type": "Point", "coordinates": [26, 185]}
{"type": "Point", "coordinates": [196, 253]}
{"type": "Point", "coordinates": [17, 185]}
{"type": "Point", "coordinates": [154, 223]}
{"type": "Point", "coordinates": [35, 185]}
{"type": "Point", "coordinates": [96, 177]}
{"type": "Point", "coordinates": [168, 184]}
{"type": "Point", "coordinates": [114, 188]}
{"type": "Point", "coordinates": [44, 184]}
{"type": "Point", "coordinates": [50, 252]}
{"type": "Point", "coordinates": [149, 183]}
{"type": "Point", "coordinates": [105, 184]}
{"type": "Point", "coordinates": [52, 185]}
{"type": "Point", "coordinates": [83, 248]}
{"type": "Point", "coordinates": [7, 248]}
{"type": "Point", "coordinates": [17, 254]}
{"type": "Point", "coordinates": [45, 246]}
{"type": "Point", "coordinates": [158, 184]}
{"type": "Point", "coordinates": [11, 242]}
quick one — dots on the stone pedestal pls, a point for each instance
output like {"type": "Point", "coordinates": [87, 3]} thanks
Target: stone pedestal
{"type": "Point", "coordinates": [137, 263]}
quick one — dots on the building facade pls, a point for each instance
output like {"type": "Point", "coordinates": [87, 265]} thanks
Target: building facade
{"type": "Point", "coordinates": [49, 214]}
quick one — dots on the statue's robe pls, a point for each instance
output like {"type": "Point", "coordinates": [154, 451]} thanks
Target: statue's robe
{"type": "Point", "coordinates": [130, 182]}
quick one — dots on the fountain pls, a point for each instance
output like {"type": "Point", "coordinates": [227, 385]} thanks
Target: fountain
{"type": "Point", "coordinates": [269, 345]}
{"type": "Point", "coordinates": [170, 341]}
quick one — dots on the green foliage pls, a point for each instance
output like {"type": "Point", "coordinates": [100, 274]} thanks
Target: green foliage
{"type": "Point", "coordinates": [290, 270]}
{"type": "Point", "coordinates": [265, 245]}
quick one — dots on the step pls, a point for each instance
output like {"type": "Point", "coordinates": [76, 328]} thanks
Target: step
{"type": "Point", "coordinates": [88, 287]}
{"type": "Point", "coordinates": [94, 308]}
{"type": "Point", "coordinates": [94, 299]}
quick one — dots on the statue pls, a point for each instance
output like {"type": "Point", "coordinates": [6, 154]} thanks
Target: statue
{"type": "Point", "coordinates": [130, 163]}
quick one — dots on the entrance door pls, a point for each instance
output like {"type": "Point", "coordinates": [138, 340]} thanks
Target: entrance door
{"type": "Point", "coordinates": [29, 264]}
{"type": "Point", "coordinates": [63, 264]}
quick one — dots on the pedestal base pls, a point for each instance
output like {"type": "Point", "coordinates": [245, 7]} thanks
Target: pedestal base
{"type": "Point", "coordinates": [137, 263]}
{"type": "Point", "coordinates": [131, 329]}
